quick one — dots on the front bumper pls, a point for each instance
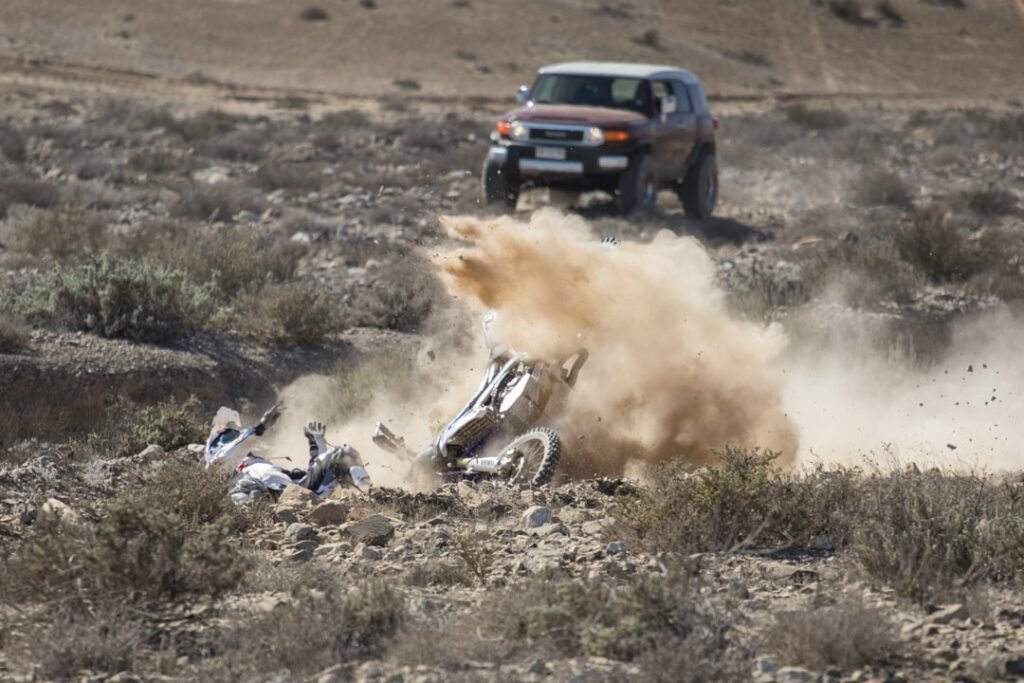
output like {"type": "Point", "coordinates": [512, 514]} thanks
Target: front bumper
{"type": "Point", "coordinates": [522, 160]}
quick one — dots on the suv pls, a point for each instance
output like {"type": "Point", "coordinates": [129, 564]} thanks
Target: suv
{"type": "Point", "coordinates": [627, 129]}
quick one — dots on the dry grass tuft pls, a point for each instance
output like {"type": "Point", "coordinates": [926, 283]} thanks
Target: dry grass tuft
{"type": "Point", "coordinates": [848, 635]}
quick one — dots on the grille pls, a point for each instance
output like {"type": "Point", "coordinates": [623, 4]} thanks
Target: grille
{"type": "Point", "coordinates": [553, 135]}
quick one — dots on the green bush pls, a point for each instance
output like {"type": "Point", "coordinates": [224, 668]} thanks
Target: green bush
{"type": "Point", "coordinates": [171, 425]}
{"type": "Point", "coordinates": [120, 298]}
{"type": "Point", "coordinates": [295, 314]}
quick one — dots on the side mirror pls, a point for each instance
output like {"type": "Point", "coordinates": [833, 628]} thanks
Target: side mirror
{"type": "Point", "coordinates": [668, 104]}
{"type": "Point", "coordinates": [522, 94]}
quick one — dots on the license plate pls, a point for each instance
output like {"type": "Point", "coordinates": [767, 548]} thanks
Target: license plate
{"type": "Point", "coordinates": [551, 153]}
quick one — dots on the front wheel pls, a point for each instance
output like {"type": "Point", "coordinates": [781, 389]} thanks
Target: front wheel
{"type": "Point", "coordinates": [534, 454]}
{"type": "Point", "coordinates": [699, 191]}
{"type": "Point", "coordinates": [499, 187]}
{"type": "Point", "coordinates": [638, 188]}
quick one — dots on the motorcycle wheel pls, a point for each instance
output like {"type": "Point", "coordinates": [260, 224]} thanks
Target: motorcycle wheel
{"type": "Point", "coordinates": [538, 450]}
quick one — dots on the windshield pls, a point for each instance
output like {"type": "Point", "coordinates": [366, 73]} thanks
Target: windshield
{"type": "Point", "coordinates": [592, 91]}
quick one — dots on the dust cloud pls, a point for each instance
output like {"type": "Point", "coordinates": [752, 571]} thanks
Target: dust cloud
{"type": "Point", "coordinates": [962, 412]}
{"type": "Point", "coordinates": [671, 374]}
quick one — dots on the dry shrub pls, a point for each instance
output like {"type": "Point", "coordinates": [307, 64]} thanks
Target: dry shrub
{"type": "Point", "coordinates": [761, 288]}
{"type": "Point", "coordinates": [990, 201]}
{"type": "Point", "coordinates": [66, 233]}
{"type": "Point", "coordinates": [314, 13]}
{"type": "Point", "coordinates": [848, 635]}
{"type": "Point", "coordinates": [13, 335]}
{"type": "Point", "coordinates": [880, 187]}
{"type": "Point", "coordinates": [850, 11]}
{"type": "Point", "coordinates": [400, 297]}
{"type": "Point", "coordinates": [135, 554]}
{"type": "Point", "coordinates": [928, 533]}
{"type": "Point", "coordinates": [936, 246]}
{"type": "Point", "coordinates": [12, 144]}
{"type": "Point", "coordinates": [248, 146]}
{"type": "Point", "coordinates": [434, 573]}
{"type": "Point", "coordinates": [18, 190]}
{"type": "Point", "coordinates": [203, 126]}
{"type": "Point", "coordinates": [641, 620]}
{"type": "Point", "coordinates": [744, 501]}
{"type": "Point", "coordinates": [321, 625]}
{"type": "Point", "coordinates": [866, 268]}
{"type": "Point", "coordinates": [157, 162]}
{"type": "Point", "coordinates": [475, 556]}
{"type": "Point", "coordinates": [217, 202]}
{"type": "Point", "coordinates": [298, 314]}
{"type": "Point", "coordinates": [650, 38]}
{"type": "Point", "coordinates": [231, 259]}
{"type": "Point", "coordinates": [816, 119]}
{"type": "Point", "coordinates": [119, 298]}
{"type": "Point", "coordinates": [291, 177]}
{"type": "Point", "coordinates": [106, 639]}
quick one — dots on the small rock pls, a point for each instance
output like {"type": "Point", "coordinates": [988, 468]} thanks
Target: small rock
{"type": "Point", "coordinates": [297, 496]}
{"type": "Point", "coordinates": [946, 614]}
{"type": "Point", "coordinates": [59, 510]}
{"type": "Point", "coordinates": [152, 451]}
{"type": "Point", "coordinates": [536, 516]}
{"type": "Point", "coordinates": [538, 667]}
{"type": "Point", "coordinates": [821, 542]}
{"type": "Point", "coordinates": [285, 515]}
{"type": "Point", "coordinates": [1015, 667]}
{"type": "Point", "coordinates": [370, 553]}
{"type": "Point", "coordinates": [374, 530]}
{"type": "Point", "coordinates": [302, 237]}
{"type": "Point", "coordinates": [196, 448]}
{"type": "Point", "coordinates": [299, 532]}
{"type": "Point", "coordinates": [330, 512]}
{"type": "Point", "coordinates": [596, 527]}
{"type": "Point", "coordinates": [615, 548]}
{"type": "Point", "coordinates": [299, 555]}
{"type": "Point", "coordinates": [765, 666]}
{"type": "Point", "coordinates": [549, 530]}
{"type": "Point", "coordinates": [794, 674]}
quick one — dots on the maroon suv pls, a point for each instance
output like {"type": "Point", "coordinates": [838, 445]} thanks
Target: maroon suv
{"type": "Point", "coordinates": [626, 129]}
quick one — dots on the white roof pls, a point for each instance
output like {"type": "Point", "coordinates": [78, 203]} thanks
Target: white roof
{"type": "Point", "coordinates": [622, 69]}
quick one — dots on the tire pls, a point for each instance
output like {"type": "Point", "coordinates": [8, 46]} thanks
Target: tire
{"type": "Point", "coordinates": [699, 191]}
{"type": "Point", "coordinates": [540, 449]}
{"type": "Point", "coordinates": [638, 188]}
{"type": "Point", "coordinates": [499, 187]}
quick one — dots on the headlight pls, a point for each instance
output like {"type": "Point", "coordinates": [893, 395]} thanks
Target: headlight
{"type": "Point", "coordinates": [593, 136]}
{"type": "Point", "coordinates": [518, 131]}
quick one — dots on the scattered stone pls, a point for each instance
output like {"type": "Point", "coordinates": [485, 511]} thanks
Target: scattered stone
{"type": "Point", "coordinates": [821, 542]}
{"type": "Point", "coordinates": [596, 527]}
{"type": "Point", "coordinates": [1015, 667]}
{"type": "Point", "coordinates": [370, 553]}
{"type": "Point", "coordinates": [536, 516]}
{"type": "Point", "coordinates": [330, 512]}
{"type": "Point", "coordinates": [297, 496]}
{"type": "Point", "coordinates": [58, 509]}
{"type": "Point", "coordinates": [794, 674]}
{"type": "Point", "coordinates": [299, 532]}
{"type": "Point", "coordinates": [285, 515]}
{"type": "Point", "coordinates": [947, 613]}
{"type": "Point", "coordinates": [615, 548]}
{"type": "Point", "coordinates": [374, 530]}
{"type": "Point", "coordinates": [152, 451]}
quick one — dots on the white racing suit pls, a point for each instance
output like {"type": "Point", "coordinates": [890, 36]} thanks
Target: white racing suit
{"type": "Point", "coordinates": [257, 478]}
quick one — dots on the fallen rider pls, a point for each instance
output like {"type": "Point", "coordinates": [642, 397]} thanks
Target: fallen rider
{"type": "Point", "coordinates": [256, 478]}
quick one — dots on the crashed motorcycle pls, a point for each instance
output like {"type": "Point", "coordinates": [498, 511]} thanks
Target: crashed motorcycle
{"type": "Point", "coordinates": [498, 434]}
